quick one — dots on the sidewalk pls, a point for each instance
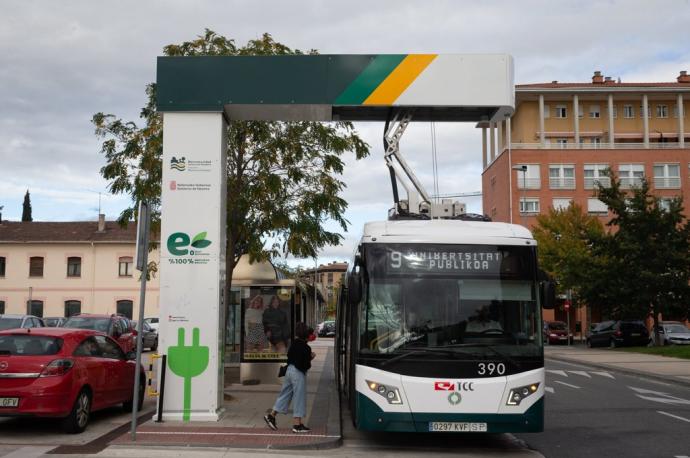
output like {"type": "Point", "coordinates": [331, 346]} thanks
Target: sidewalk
{"type": "Point", "coordinates": [667, 369]}
{"type": "Point", "coordinates": [243, 425]}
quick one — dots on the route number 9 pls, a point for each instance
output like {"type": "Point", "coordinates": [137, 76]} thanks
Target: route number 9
{"type": "Point", "coordinates": [396, 259]}
{"type": "Point", "coordinates": [491, 369]}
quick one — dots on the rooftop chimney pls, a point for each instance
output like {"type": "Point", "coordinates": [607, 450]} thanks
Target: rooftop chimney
{"type": "Point", "coordinates": [101, 222]}
{"type": "Point", "coordinates": [683, 77]}
{"type": "Point", "coordinates": [554, 82]}
{"type": "Point", "coordinates": [598, 78]}
{"type": "Point", "coordinates": [609, 80]}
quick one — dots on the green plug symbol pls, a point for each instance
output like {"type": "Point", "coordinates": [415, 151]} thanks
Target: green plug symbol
{"type": "Point", "coordinates": [187, 362]}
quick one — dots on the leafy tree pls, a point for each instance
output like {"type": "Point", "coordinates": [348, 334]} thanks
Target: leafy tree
{"type": "Point", "coordinates": [26, 207]}
{"type": "Point", "coordinates": [282, 176]}
{"type": "Point", "coordinates": [649, 251]}
{"type": "Point", "coordinates": [566, 239]}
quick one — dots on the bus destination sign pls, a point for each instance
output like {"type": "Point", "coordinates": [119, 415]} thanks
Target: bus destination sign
{"type": "Point", "coordinates": [444, 261]}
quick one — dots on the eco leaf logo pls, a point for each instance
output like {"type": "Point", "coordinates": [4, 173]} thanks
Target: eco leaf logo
{"type": "Point", "coordinates": [179, 243]}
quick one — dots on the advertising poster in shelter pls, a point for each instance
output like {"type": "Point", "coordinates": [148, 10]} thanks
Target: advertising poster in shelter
{"type": "Point", "coordinates": [267, 323]}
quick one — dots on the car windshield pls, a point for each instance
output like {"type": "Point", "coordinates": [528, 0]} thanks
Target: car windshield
{"type": "Point", "coordinates": [10, 323]}
{"type": "Point", "coordinates": [442, 296]}
{"type": "Point", "coordinates": [80, 322]}
{"type": "Point", "coordinates": [676, 328]}
{"type": "Point", "coordinates": [557, 326]}
{"type": "Point", "coordinates": [28, 345]}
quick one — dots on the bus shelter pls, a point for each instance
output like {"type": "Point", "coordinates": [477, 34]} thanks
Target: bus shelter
{"type": "Point", "coordinates": [198, 96]}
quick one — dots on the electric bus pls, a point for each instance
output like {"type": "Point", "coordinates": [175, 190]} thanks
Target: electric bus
{"type": "Point", "coordinates": [439, 328]}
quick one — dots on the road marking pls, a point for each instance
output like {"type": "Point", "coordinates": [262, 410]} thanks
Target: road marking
{"type": "Point", "coordinates": [583, 373]}
{"type": "Point", "coordinates": [682, 456]}
{"type": "Point", "coordinates": [604, 374]}
{"type": "Point", "coordinates": [199, 433]}
{"type": "Point", "coordinates": [673, 416]}
{"type": "Point", "coordinates": [567, 384]}
{"type": "Point", "coordinates": [553, 371]}
{"type": "Point", "coordinates": [549, 389]}
{"type": "Point", "coordinates": [29, 452]}
{"type": "Point", "coordinates": [659, 396]}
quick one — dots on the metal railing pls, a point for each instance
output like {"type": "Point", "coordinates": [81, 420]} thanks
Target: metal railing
{"type": "Point", "coordinates": [561, 183]}
{"type": "Point", "coordinates": [528, 183]}
{"type": "Point", "coordinates": [667, 182]}
{"type": "Point", "coordinates": [634, 182]}
{"type": "Point", "coordinates": [591, 183]}
{"type": "Point", "coordinates": [616, 145]}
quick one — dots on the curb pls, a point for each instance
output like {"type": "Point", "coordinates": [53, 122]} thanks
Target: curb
{"type": "Point", "coordinates": [660, 378]}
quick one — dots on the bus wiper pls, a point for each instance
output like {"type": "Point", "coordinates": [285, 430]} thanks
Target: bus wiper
{"type": "Point", "coordinates": [418, 351]}
{"type": "Point", "coordinates": [490, 347]}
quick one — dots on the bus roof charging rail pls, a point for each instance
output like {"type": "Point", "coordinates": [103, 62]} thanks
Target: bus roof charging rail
{"type": "Point", "coordinates": [419, 203]}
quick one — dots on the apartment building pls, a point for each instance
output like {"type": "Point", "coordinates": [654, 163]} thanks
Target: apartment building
{"type": "Point", "coordinates": [562, 137]}
{"type": "Point", "coordinates": [328, 278]}
{"type": "Point", "coordinates": [63, 268]}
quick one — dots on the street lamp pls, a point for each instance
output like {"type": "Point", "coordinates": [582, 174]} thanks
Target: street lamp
{"type": "Point", "coordinates": [523, 169]}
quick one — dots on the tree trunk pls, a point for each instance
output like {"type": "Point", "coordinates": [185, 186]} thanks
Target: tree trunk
{"type": "Point", "coordinates": [657, 340]}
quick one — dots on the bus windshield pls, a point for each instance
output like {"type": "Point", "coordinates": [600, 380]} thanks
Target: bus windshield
{"type": "Point", "coordinates": [459, 297]}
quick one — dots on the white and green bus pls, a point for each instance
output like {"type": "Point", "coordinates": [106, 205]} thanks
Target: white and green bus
{"type": "Point", "coordinates": [439, 328]}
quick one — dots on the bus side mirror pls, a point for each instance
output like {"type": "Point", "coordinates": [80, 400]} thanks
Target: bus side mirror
{"type": "Point", "coordinates": [548, 295]}
{"type": "Point", "coordinates": [354, 288]}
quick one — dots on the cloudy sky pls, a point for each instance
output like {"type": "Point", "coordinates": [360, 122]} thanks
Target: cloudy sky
{"type": "Point", "coordinates": [61, 62]}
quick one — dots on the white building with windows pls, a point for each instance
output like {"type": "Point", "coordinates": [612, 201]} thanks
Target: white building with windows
{"type": "Point", "coordinates": [62, 268]}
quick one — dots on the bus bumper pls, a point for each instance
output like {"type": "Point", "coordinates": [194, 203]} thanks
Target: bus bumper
{"type": "Point", "coordinates": [371, 418]}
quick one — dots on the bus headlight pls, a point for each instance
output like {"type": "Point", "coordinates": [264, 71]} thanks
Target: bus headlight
{"type": "Point", "coordinates": [391, 393]}
{"type": "Point", "coordinates": [516, 395]}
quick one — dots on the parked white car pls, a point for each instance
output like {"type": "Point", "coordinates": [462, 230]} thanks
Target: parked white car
{"type": "Point", "coordinates": [674, 333]}
{"type": "Point", "coordinates": [153, 322]}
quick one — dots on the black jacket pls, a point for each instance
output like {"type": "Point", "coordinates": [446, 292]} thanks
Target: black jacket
{"type": "Point", "coordinates": [299, 355]}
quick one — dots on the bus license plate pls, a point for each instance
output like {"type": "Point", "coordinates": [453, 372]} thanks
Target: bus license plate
{"type": "Point", "coordinates": [460, 427]}
{"type": "Point", "coordinates": [9, 402]}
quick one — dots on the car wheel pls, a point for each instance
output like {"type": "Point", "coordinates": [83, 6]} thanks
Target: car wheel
{"type": "Point", "coordinates": [78, 418]}
{"type": "Point", "coordinates": [613, 344]}
{"type": "Point", "coordinates": [154, 347]}
{"type": "Point", "coordinates": [127, 405]}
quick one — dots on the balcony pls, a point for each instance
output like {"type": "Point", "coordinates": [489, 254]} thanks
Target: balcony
{"type": "Point", "coordinates": [667, 182]}
{"type": "Point", "coordinates": [592, 183]}
{"type": "Point", "coordinates": [561, 183]}
{"type": "Point", "coordinates": [634, 182]}
{"type": "Point", "coordinates": [590, 146]}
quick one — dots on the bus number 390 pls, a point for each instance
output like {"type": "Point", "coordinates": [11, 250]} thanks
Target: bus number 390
{"type": "Point", "coordinates": [491, 369]}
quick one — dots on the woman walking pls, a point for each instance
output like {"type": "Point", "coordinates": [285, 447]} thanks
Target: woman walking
{"type": "Point", "coordinates": [294, 388]}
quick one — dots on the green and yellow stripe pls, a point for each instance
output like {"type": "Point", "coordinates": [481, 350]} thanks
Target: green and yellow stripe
{"type": "Point", "coordinates": [384, 79]}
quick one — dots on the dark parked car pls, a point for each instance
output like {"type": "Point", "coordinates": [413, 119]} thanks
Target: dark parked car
{"type": "Point", "coordinates": [326, 329]}
{"type": "Point", "coordinates": [555, 332]}
{"type": "Point", "coordinates": [116, 326]}
{"type": "Point", "coordinates": [674, 333]}
{"type": "Point", "coordinates": [622, 333]}
{"type": "Point", "coordinates": [64, 374]}
{"type": "Point", "coordinates": [20, 321]}
{"type": "Point", "coordinates": [54, 321]}
{"type": "Point", "coordinates": [149, 338]}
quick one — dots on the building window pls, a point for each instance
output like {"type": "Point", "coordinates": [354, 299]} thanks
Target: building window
{"type": "Point", "coordinates": [330, 277]}
{"type": "Point", "coordinates": [596, 207]}
{"type": "Point", "coordinates": [580, 111]}
{"type": "Point", "coordinates": [74, 267]}
{"type": "Point", "coordinates": [665, 203]}
{"type": "Point", "coordinates": [596, 142]}
{"type": "Point", "coordinates": [662, 111]}
{"type": "Point", "coordinates": [562, 176]}
{"type": "Point", "coordinates": [628, 111]}
{"type": "Point", "coordinates": [529, 179]}
{"type": "Point", "coordinates": [547, 112]}
{"type": "Point", "coordinates": [2, 307]}
{"type": "Point", "coordinates": [561, 111]}
{"type": "Point", "coordinates": [667, 176]}
{"type": "Point", "coordinates": [126, 266]}
{"type": "Point", "coordinates": [675, 110]}
{"type": "Point", "coordinates": [594, 111]}
{"type": "Point", "coordinates": [596, 174]}
{"type": "Point", "coordinates": [36, 266]}
{"type": "Point", "coordinates": [649, 111]}
{"type": "Point", "coordinates": [125, 308]}
{"type": "Point", "coordinates": [72, 308]}
{"type": "Point", "coordinates": [2, 266]}
{"type": "Point", "coordinates": [529, 205]}
{"type": "Point", "coordinates": [615, 112]}
{"type": "Point", "coordinates": [631, 175]}
{"type": "Point", "coordinates": [562, 143]}
{"type": "Point", "coordinates": [561, 203]}
{"type": "Point", "coordinates": [35, 308]}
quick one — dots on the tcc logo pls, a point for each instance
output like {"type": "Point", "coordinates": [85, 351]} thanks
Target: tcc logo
{"type": "Point", "coordinates": [450, 386]}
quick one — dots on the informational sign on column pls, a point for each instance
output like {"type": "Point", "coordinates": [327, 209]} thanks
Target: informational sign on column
{"type": "Point", "coordinates": [192, 270]}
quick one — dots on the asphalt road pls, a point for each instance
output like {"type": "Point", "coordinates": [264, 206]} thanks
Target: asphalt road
{"type": "Point", "coordinates": [590, 412]}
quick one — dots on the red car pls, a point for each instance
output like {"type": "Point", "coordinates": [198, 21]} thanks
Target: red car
{"type": "Point", "coordinates": [555, 332]}
{"type": "Point", "coordinates": [64, 373]}
{"type": "Point", "coordinates": [116, 326]}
